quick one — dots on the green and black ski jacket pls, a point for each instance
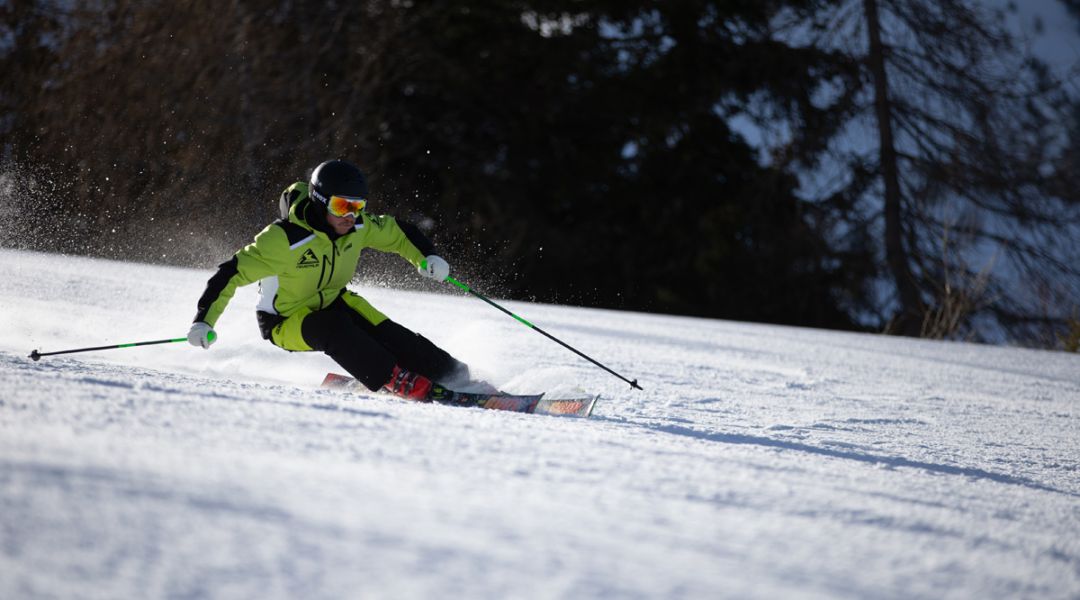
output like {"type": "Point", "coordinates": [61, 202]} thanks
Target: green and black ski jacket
{"type": "Point", "coordinates": [301, 269]}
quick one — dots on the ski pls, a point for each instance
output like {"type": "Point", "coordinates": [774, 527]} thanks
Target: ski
{"type": "Point", "coordinates": [525, 403]}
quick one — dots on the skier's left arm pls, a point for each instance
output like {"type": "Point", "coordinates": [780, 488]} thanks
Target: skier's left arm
{"type": "Point", "coordinates": [387, 234]}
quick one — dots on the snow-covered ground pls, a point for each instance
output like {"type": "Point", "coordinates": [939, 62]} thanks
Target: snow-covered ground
{"type": "Point", "coordinates": [759, 461]}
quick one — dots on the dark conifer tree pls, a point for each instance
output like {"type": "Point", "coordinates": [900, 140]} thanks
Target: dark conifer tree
{"type": "Point", "coordinates": [977, 223]}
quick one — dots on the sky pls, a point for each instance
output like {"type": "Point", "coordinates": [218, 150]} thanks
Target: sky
{"type": "Point", "coordinates": [1059, 44]}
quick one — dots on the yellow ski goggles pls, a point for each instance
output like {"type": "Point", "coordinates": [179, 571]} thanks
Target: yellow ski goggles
{"type": "Point", "coordinates": [342, 206]}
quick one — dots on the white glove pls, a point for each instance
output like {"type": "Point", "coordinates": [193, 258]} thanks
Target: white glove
{"type": "Point", "coordinates": [201, 334]}
{"type": "Point", "coordinates": [434, 267]}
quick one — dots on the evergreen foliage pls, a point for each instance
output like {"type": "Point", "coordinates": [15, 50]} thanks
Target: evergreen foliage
{"type": "Point", "coordinates": [600, 153]}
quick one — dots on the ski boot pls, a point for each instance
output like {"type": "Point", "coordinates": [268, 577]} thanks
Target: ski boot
{"type": "Point", "coordinates": [414, 386]}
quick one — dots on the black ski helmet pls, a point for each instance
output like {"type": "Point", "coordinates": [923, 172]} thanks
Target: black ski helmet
{"type": "Point", "coordinates": [337, 177]}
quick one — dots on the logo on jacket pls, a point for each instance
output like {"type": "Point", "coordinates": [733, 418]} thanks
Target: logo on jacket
{"type": "Point", "coordinates": [307, 260]}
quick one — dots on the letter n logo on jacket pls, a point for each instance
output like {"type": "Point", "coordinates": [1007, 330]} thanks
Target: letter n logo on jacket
{"type": "Point", "coordinates": [307, 260]}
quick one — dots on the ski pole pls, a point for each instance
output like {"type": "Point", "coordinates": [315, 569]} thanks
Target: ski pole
{"type": "Point", "coordinates": [37, 355]}
{"type": "Point", "coordinates": [633, 384]}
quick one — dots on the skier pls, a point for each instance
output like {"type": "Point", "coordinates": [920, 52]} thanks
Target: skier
{"type": "Point", "coordinates": [303, 263]}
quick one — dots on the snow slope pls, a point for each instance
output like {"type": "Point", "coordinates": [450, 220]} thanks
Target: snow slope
{"type": "Point", "coordinates": [759, 461]}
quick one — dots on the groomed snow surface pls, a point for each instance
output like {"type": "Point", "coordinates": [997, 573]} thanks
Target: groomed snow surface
{"type": "Point", "coordinates": [758, 462]}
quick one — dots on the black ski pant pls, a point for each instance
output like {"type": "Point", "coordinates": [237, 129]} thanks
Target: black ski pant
{"type": "Point", "coordinates": [369, 352]}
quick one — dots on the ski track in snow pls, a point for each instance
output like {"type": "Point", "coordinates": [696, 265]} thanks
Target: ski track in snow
{"type": "Point", "coordinates": [759, 462]}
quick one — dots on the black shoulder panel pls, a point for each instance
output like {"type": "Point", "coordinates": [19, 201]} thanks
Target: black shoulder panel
{"type": "Point", "coordinates": [288, 197]}
{"type": "Point", "coordinates": [417, 237]}
{"type": "Point", "coordinates": [293, 232]}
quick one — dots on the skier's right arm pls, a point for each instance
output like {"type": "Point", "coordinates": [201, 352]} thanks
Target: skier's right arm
{"type": "Point", "coordinates": [263, 258]}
